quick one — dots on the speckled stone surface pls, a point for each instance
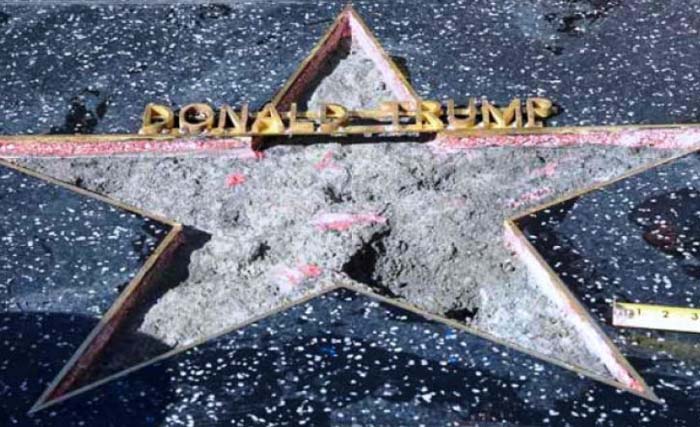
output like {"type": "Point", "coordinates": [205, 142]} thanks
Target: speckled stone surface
{"type": "Point", "coordinates": [64, 259]}
{"type": "Point", "coordinates": [635, 240]}
{"type": "Point", "coordinates": [76, 68]}
{"type": "Point", "coordinates": [346, 359]}
{"type": "Point", "coordinates": [92, 69]}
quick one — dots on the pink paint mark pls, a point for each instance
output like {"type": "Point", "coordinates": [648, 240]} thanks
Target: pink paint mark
{"type": "Point", "coordinates": [310, 270]}
{"type": "Point", "coordinates": [545, 171]}
{"type": "Point", "coordinates": [289, 278]}
{"type": "Point", "coordinates": [235, 179]}
{"type": "Point", "coordinates": [663, 138]}
{"type": "Point", "coordinates": [344, 221]}
{"type": "Point", "coordinates": [530, 196]}
{"type": "Point", "coordinates": [69, 147]}
{"type": "Point", "coordinates": [451, 144]}
{"type": "Point", "coordinates": [249, 154]}
{"type": "Point", "coordinates": [457, 202]}
{"type": "Point", "coordinates": [326, 162]}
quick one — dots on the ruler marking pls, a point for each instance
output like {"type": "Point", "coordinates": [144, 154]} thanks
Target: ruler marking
{"type": "Point", "coordinates": [661, 317]}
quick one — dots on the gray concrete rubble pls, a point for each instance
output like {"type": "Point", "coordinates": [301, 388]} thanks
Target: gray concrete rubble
{"type": "Point", "coordinates": [429, 231]}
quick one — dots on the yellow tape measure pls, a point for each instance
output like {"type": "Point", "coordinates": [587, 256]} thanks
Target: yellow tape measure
{"type": "Point", "coordinates": [662, 317]}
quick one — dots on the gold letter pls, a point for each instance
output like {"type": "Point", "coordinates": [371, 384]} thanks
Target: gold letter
{"type": "Point", "coordinates": [194, 118]}
{"type": "Point", "coordinates": [239, 121]}
{"type": "Point", "coordinates": [338, 115]}
{"type": "Point", "coordinates": [537, 107]}
{"type": "Point", "coordinates": [156, 119]}
{"type": "Point", "coordinates": [502, 117]}
{"type": "Point", "coordinates": [295, 126]}
{"type": "Point", "coordinates": [428, 116]}
{"type": "Point", "coordinates": [470, 112]}
{"type": "Point", "coordinates": [268, 122]}
{"type": "Point", "coordinates": [391, 109]}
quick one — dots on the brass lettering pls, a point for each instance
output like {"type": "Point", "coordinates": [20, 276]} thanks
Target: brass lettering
{"type": "Point", "coordinates": [428, 116]}
{"type": "Point", "coordinates": [538, 108]}
{"type": "Point", "coordinates": [268, 122]}
{"type": "Point", "coordinates": [470, 112]}
{"type": "Point", "coordinates": [391, 117]}
{"type": "Point", "coordinates": [332, 117]}
{"type": "Point", "coordinates": [239, 121]}
{"type": "Point", "coordinates": [502, 118]}
{"type": "Point", "coordinates": [195, 118]}
{"type": "Point", "coordinates": [297, 126]}
{"type": "Point", "coordinates": [157, 119]}
{"type": "Point", "coordinates": [390, 109]}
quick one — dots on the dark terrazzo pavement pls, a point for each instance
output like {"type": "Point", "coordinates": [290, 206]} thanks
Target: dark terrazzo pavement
{"type": "Point", "coordinates": [636, 240]}
{"type": "Point", "coordinates": [92, 69]}
{"type": "Point", "coordinates": [64, 260]}
{"type": "Point", "coordinates": [345, 359]}
{"type": "Point", "coordinates": [77, 68]}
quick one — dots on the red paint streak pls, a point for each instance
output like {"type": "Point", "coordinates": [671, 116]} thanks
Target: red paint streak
{"type": "Point", "coordinates": [235, 179]}
{"type": "Point", "coordinates": [678, 138]}
{"type": "Point", "coordinates": [344, 221]}
{"type": "Point", "coordinates": [531, 196]}
{"type": "Point", "coordinates": [77, 148]}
